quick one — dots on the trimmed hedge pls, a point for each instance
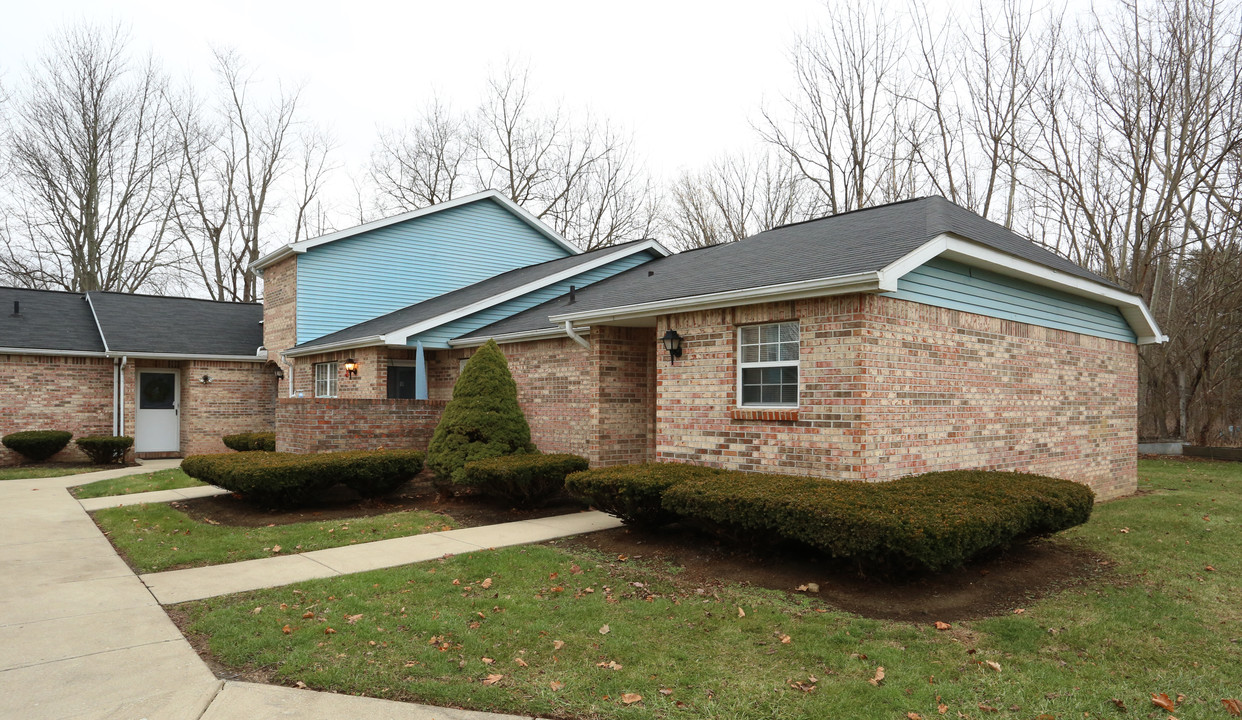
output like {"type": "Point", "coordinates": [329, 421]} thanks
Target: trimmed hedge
{"type": "Point", "coordinates": [243, 442]}
{"type": "Point", "coordinates": [932, 522]}
{"type": "Point", "coordinates": [288, 479]}
{"type": "Point", "coordinates": [103, 449]}
{"type": "Point", "coordinates": [522, 480]}
{"type": "Point", "coordinates": [37, 445]}
{"type": "Point", "coordinates": [482, 420]}
{"type": "Point", "coordinates": [634, 492]}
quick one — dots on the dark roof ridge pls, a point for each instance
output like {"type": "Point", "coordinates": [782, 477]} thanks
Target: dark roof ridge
{"type": "Point", "coordinates": [171, 297]}
{"type": "Point", "coordinates": [849, 212]}
{"type": "Point", "coordinates": [44, 290]}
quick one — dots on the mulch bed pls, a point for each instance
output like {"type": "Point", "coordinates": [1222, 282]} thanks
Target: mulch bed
{"type": "Point", "coordinates": [995, 585]}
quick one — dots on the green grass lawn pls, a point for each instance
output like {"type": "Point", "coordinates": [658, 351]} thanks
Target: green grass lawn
{"type": "Point", "coordinates": [46, 471]}
{"type": "Point", "coordinates": [1168, 621]}
{"type": "Point", "coordinates": [156, 537]}
{"type": "Point", "coordinates": [129, 484]}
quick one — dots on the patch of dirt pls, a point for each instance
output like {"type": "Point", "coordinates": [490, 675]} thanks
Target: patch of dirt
{"type": "Point", "coordinates": [996, 585]}
{"type": "Point", "coordinates": [341, 503]}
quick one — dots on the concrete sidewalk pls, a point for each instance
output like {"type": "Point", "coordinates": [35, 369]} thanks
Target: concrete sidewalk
{"type": "Point", "coordinates": [177, 586]}
{"type": "Point", "coordinates": [82, 638]}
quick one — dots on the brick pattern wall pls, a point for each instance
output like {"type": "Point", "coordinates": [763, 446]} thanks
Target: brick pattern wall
{"type": "Point", "coordinates": [241, 397]}
{"type": "Point", "coordinates": [556, 388]}
{"type": "Point", "coordinates": [950, 390]}
{"type": "Point", "coordinates": [44, 392]}
{"type": "Point", "coordinates": [280, 312]}
{"type": "Point", "coordinates": [890, 388]}
{"type": "Point", "coordinates": [623, 416]}
{"type": "Point", "coordinates": [309, 425]}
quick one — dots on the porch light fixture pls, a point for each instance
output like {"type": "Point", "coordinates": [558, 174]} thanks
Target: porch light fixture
{"type": "Point", "coordinates": [672, 343]}
{"type": "Point", "coordinates": [351, 368]}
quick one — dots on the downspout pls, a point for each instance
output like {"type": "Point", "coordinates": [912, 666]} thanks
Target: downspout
{"type": "Point", "coordinates": [569, 330]}
{"type": "Point", "coordinates": [289, 376]}
{"type": "Point", "coordinates": [121, 416]}
{"type": "Point", "coordinates": [116, 396]}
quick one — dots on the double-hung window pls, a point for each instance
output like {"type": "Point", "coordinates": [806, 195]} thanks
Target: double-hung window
{"type": "Point", "coordinates": [767, 368]}
{"type": "Point", "coordinates": [325, 380]}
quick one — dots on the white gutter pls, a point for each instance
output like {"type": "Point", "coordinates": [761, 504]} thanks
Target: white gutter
{"type": "Point", "coordinates": [541, 334]}
{"type": "Point", "coordinates": [46, 351]}
{"type": "Point", "coordinates": [192, 356]}
{"type": "Point", "coordinates": [367, 341]}
{"type": "Point", "coordinates": [842, 285]}
{"type": "Point", "coordinates": [117, 409]}
{"type": "Point", "coordinates": [569, 330]}
{"type": "Point", "coordinates": [121, 420]}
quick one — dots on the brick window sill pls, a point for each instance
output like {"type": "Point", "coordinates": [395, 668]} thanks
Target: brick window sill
{"type": "Point", "coordinates": [769, 415]}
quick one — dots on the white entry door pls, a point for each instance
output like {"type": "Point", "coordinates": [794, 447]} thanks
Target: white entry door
{"type": "Point", "coordinates": [157, 427]}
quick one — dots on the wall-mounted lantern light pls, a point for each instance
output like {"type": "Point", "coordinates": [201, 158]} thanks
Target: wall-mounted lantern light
{"type": "Point", "coordinates": [205, 379]}
{"type": "Point", "coordinates": [280, 374]}
{"type": "Point", "coordinates": [351, 368]}
{"type": "Point", "coordinates": [672, 343]}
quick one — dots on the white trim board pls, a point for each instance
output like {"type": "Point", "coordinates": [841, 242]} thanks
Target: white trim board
{"type": "Point", "coordinates": [522, 214]}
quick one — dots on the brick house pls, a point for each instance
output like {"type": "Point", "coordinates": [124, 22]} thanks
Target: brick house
{"type": "Point", "coordinates": [905, 338]}
{"type": "Point", "coordinates": [174, 373]}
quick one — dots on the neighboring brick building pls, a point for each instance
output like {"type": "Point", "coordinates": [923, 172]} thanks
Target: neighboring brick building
{"type": "Point", "coordinates": [174, 373]}
{"type": "Point", "coordinates": [869, 345]}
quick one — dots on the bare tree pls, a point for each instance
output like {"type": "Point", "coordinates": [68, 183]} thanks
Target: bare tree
{"type": "Point", "coordinates": [424, 163]}
{"type": "Point", "coordinates": [234, 157]}
{"type": "Point", "coordinates": [846, 136]}
{"type": "Point", "coordinates": [91, 161]}
{"type": "Point", "coordinates": [734, 198]}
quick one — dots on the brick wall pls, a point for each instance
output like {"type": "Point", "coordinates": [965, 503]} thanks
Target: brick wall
{"type": "Point", "coordinates": [309, 425]}
{"type": "Point", "coordinates": [891, 388]}
{"type": "Point", "coordinates": [45, 392]}
{"type": "Point", "coordinates": [280, 311]}
{"type": "Point", "coordinates": [241, 397]}
{"type": "Point", "coordinates": [623, 416]}
{"type": "Point", "coordinates": [556, 390]}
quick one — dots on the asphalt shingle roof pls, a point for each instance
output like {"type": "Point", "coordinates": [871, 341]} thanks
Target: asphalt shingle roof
{"type": "Point", "coordinates": [463, 297]}
{"type": "Point", "coordinates": [55, 320]}
{"type": "Point", "coordinates": [178, 326]}
{"type": "Point", "coordinates": [47, 320]}
{"type": "Point", "coordinates": [865, 240]}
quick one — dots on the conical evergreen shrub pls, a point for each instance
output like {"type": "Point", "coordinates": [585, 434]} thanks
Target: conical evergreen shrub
{"type": "Point", "coordinates": [483, 420]}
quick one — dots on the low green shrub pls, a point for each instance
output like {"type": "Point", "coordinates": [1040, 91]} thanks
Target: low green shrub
{"type": "Point", "coordinates": [288, 479]}
{"type": "Point", "coordinates": [524, 481]}
{"type": "Point", "coordinates": [102, 449]}
{"type": "Point", "coordinates": [930, 522]}
{"type": "Point", "coordinates": [634, 492]}
{"type": "Point", "coordinates": [243, 442]}
{"type": "Point", "coordinates": [36, 445]}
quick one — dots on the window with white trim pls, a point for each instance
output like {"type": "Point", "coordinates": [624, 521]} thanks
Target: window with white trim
{"type": "Point", "coordinates": [325, 380]}
{"type": "Point", "coordinates": [767, 365]}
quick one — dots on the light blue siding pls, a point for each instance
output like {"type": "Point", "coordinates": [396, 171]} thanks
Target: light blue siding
{"type": "Point", "coordinates": [948, 284]}
{"type": "Point", "coordinates": [439, 337]}
{"type": "Point", "coordinates": [345, 282]}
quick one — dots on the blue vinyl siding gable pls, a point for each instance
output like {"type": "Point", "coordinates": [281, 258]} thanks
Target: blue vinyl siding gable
{"type": "Point", "coordinates": [345, 282]}
{"type": "Point", "coordinates": [439, 337]}
{"type": "Point", "coordinates": [949, 284]}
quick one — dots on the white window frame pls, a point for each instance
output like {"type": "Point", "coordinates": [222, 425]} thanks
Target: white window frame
{"type": "Point", "coordinates": [797, 364]}
{"type": "Point", "coordinates": [326, 379]}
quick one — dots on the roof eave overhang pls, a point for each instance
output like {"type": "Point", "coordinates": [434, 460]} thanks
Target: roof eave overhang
{"type": "Point", "coordinates": [401, 336]}
{"type": "Point", "coordinates": [954, 247]}
{"type": "Point", "coordinates": [50, 351]}
{"type": "Point", "coordinates": [351, 344]}
{"type": "Point", "coordinates": [866, 282]}
{"type": "Point", "coordinates": [258, 357]}
{"type": "Point", "coordinates": [300, 247]}
{"type": "Point", "coordinates": [551, 333]}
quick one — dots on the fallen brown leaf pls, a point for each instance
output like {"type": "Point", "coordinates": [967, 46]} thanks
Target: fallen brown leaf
{"type": "Point", "coordinates": [879, 676]}
{"type": "Point", "coordinates": [994, 665]}
{"type": "Point", "coordinates": [913, 716]}
{"type": "Point", "coordinates": [1019, 611]}
{"type": "Point", "coordinates": [1233, 706]}
{"type": "Point", "coordinates": [275, 548]}
{"type": "Point", "coordinates": [286, 629]}
{"type": "Point", "coordinates": [1161, 700]}
{"type": "Point", "coordinates": [666, 691]}
{"type": "Point", "coordinates": [605, 630]}
{"type": "Point", "coordinates": [308, 615]}
{"type": "Point", "coordinates": [942, 625]}
{"type": "Point", "coordinates": [631, 698]}
{"type": "Point", "coordinates": [487, 660]}
{"type": "Point", "coordinates": [987, 708]}
{"type": "Point", "coordinates": [520, 661]}
{"type": "Point", "coordinates": [556, 686]}
{"type": "Point", "coordinates": [492, 679]}
{"type": "Point", "coordinates": [1121, 704]}
{"type": "Point", "coordinates": [351, 619]}
{"type": "Point", "coordinates": [942, 708]}
{"type": "Point", "coordinates": [557, 644]}
{"type": "Point", "coordinates": [611, 665]}
{"type": "Point", "coordinates": [487, 582]}
{"type": "Point", "coordinates": [741, 613]}
{"type": "Point", "coordinates": [329, 631]}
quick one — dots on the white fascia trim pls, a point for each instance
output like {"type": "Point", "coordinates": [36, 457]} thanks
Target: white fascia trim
{"type": "Point", "coordinates": [549, 334]}
{"type": "Point", "coordinates": [301, 247]}
{"type": "Point", "coordinates": [402, 335]}
{"type": "Point", "coordinates": [1132, 307]}
{"type": "Point", "coordinates": [95, 316]}
{"type": "Point", "coordinates": [189, 356]}
{"type": "Point", "coordinates": [46, 351]}
{"type": "Point", "coordinates": [841, 285]}
{"type": "Point", "coordinates": [355, 343]}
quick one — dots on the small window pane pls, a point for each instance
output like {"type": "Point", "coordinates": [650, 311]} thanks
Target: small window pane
{"type": "Point", "coordinates": [750, 353]}
{"type": "Point", "coordinates": [789, 394]}
{"type": "Point", "coordinates": [771, 394]}
{"type": "Point", "coordinates": [789, 351]}
{"type": "Point", "coordinates": [789, 375]}
{"type": "Point", "coordinates": [770, 333]}
{"type": "Point", "coordinates": [789, 332]}
{"type": "Point", "coordinates": [750, 335]}
{"type": "Point", "coordinates": [750, 394]}
{"type": "Point", "coordinates": [771, 376]}
{"type": "Point", "coordinates": [769, 353]}
{"type": "Point", "coordinates": [751, 376]}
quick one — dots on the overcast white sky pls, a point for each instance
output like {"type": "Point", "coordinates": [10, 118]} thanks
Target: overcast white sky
{"type": "Point", "coordinates": [687, 78]}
